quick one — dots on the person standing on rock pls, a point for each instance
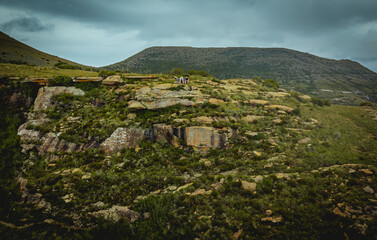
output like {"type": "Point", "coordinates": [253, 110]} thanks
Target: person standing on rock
{"type": "Point", "coordinates": [186, 80]}
{"type": "Point", "coordinates": [181, 79]}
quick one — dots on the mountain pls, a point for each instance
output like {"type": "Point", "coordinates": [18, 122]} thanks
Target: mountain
{"type": "Point", "coordinates": [326, 78]}
{"type": "Point", "coordinates": [13, 51]}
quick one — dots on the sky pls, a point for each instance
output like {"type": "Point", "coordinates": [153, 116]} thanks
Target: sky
{"type": "Point", "coordinates": [99, 33]}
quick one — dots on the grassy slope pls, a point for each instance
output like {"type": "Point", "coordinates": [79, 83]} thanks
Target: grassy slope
{"type": "Point", "coordinates": [13, 50]}
{"type": "Point", "coordinates": [305, 198]}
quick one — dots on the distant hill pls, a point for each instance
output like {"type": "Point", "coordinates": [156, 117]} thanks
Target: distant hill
{"type": "Point", "coordinates": [13, 51]}
{"type": "Point", "coordinates": [340, 80]}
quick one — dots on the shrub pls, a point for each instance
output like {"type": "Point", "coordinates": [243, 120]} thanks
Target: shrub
{"type": "Point", "coordinates": [105, 73]}
{"type": "Point", "coordinates": [271, 83]}
{"type": "Point", "coordinates": [178, 71]}
{"type": "Point", "coordinates": [318, 101]}
{"type": "Point", "coordinates": [366, 104]}
{"type": "Point", "coordinates": [61, 81]}
{"type": "Point", "coordinates": [63, 65]}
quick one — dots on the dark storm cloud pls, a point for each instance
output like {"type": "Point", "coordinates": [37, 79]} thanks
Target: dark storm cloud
{"type": "Point", "coordinates": [27, 24]}
{"type": "Point", "coordinates": [329, 28]}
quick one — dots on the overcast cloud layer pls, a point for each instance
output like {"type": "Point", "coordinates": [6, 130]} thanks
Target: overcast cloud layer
{"type": "Point", "coordinates": [98, 33]}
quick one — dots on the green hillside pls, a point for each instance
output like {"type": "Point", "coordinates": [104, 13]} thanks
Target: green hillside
{"type": "Point", "coordinates": [214, 159]}
{"type": "Point", "coordinates": [342, 81]}
{"type": "Point", "coordinates": [13, 51]}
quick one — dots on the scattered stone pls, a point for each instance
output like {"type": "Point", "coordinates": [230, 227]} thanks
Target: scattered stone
{"type": "Point", "coordinates": [237, 234]}
{"type": "Point", "coordinates": [304, 141]}
{"type": "Point", "coordinates": [215, 101]}
{"type": "Point", "coordinates": [368, 189]}
{"type": "Point", "coordinates": [256, 102]}
{"type": "Point", "coordinates": [98, 204]}
{"type": "Point", "coordinates": [252, 118]}
{"type": "Point", "coordinates": [76, 170]}
{"type": "Point", "coordinates": [258, 178]}
{"type": "Point", "coordinates": [277, 121]}
{"type": "Point", "coordinates": [268, 212]}
{"type": "Point", "coordinates": [279, 107]}
{"type": "Point", "coordinates": [366, 171]}
{"type": "Point", "coordinates": [86, 176]}
{"type": "Point", "coordinates": [251, 134]}
{"type": "Point", "coordinates": [183, 187]}
{"type": "Point", "coordinates": [199, 192]}
{"type": "Point", "coordinates": [249, 186]}
{"type": "Point", "coordinates": [257, 154]}
{"type": "Point", "coordinates": [115, 213]}
{"type": "Point", "coordinates": [172, 188]}
{"type": "Point", "coordinates": [68, 198]}
{"type": "Point", "coordinates": [272, 219]}
{"type": "Point", "coordinates": [203, 119]}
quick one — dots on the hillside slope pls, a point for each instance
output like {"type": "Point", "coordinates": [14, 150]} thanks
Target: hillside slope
{"type": "Point", "coordinates": [214, 159]}
{"type": "Point", "coordinates": [13, 51]}
{"type": "Point", "coordinates": [304, 72]}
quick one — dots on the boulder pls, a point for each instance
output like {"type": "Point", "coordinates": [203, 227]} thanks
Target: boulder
{"type": "Point", "coordinates": [115, 213]}
{"type": "Point", "coordinates": [123, 138]}
{"type": "Point", "coordinates": [256, 102]}
{"type": "Point", "coordinates": [203, 119]}
{"type": "Point", "coordinates": [279, 107]}
{"type": "Point", "coordinates": [27, 135]}
{"type": "Point", "coordinates": [215, 101]}
{"type": "Point", "coordinates": [43, 100]}
{"type": "Point", "coordinates": [112, 80]}
{"type": "Point", "coordinates": [249, 186]}
{"type": "Point", "coordinates": [205, 137]}
{"type": "Point", "coordinates": [252, 118]}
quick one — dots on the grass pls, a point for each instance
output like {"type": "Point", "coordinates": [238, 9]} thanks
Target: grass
{"type": "Point", "coordinates": [23, 71]}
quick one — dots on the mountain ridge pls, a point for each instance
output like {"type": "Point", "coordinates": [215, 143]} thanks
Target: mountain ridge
{"type": "Point", "coordinates": [295, 70]}
{"type": "Point", "coordinates": [14, 51]}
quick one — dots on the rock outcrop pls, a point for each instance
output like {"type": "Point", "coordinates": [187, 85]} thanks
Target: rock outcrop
{"type": "Point", "coordinates": [115, 213]}
{"type": "Point", "coordinates": [112, 80]}
{"type": "Point", "coordinates": [43, 100]}
{"type": "Point", "coordinates": [123, 138]}
{"type": "Point", "coordinates": [207, 137]}
{"type": "Point", "coordinates": [165, 95]}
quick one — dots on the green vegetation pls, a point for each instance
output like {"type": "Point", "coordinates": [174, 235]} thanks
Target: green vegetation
{"type": "Point", "coordinates": [312, 164]}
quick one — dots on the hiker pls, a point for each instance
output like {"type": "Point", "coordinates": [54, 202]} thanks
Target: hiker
{"type": "Point", "coordinates": [176, 79]}
{"type": "Point", "coordinates": [181, 79]}
{"type": "Point", "coordinates": [186, 80]}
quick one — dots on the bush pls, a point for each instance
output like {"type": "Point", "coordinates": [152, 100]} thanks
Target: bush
{"type": "Point", "coordinates": [61, 81]}
{"type": "Point", "coordinates": [366, 104]}
{"type": "Point", "coordinates": [104, 73]}
{"type": "Point", "coordinates": [201, 73]}
{"type": "Point", "coordinates": [178, 71]}
{"type": "Point", "coordinates": [318, 101]}
{"type": "Point", "coordinates": [63, 65]}
{"type": "Point", "coordinates": [271, 83]}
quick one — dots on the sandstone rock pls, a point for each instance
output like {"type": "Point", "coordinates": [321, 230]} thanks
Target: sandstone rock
{"type": "Point", "coordinates": [98, 204]}
{"type": "Point", "coordinates": [115, 213]}
{"type": "Point", "coordinates": [199, 192]}
{"type": "Point", "coordinates": [123, 138]}
{"type": "Point", "coordinates": [183, 187]}
{"type": "Point", "coordinates": [207, 163]}
{"type": "Point", "coordinates": [203, 119]}
{"type": "Point", "coordinates": [366, 171]}
{"type": "Point", "coordinates": [88, 79]}
{"type": "Point", "coordinates": [305, 140]}
{"type": "Point", "coordinates": [252, 118]}
{"type": "Point", "coordinates": [251, 134]}
{"type": "Point", "coordinates": [279, 107]}
{"type": "Point", "coordinates": [43, 100]}
{"type": "Point", "coordinates": [28, 135]}
{"type": "Point", "coordinates": [277, 94]}
{"type": "Point", "coordinates": [257, 154]}
{"type": "Point", "coordinates": [86, 176]}
{"type": "Point", "coordinates": [112, 80]}
{"type": "Point", "coordinates": [368, 189]}
{"type": "Point", "coordinates": [249, 186]}
{"type": "Point", "coordinates": [136, 105]}
{"type": "Point", "coordinates": [215, 101]}
{"type": "Point", "coordinates": [163, 132]}
{"type": "Point", "coordinates": [277, 121]}
{"type": "Point", "coordinates": [268, 212]}
{"type": "Point", "coordinates": [258, 178]}
{"type": "Point", "coordinates": [205, 137]}
{"type": "Point", "coordinates": [256, 102]}
{"type": "Point", "coordinates": [272, 219]}
{"type": "Point", "coordinates": [305, 98]}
